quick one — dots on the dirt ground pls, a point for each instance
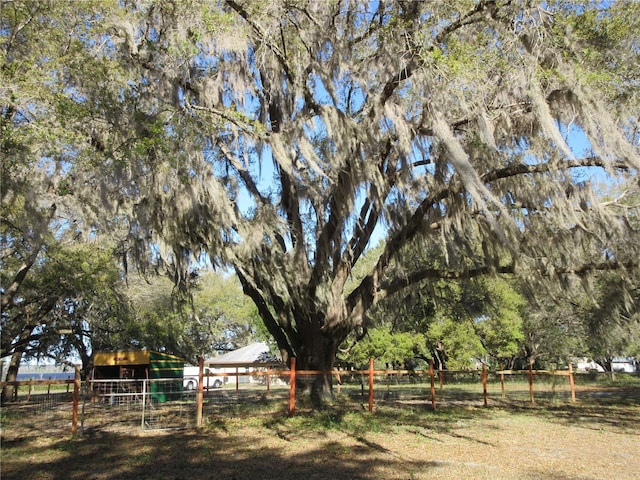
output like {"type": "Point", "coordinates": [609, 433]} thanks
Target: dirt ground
{"type": "Point", "coordinates": [577, 442]}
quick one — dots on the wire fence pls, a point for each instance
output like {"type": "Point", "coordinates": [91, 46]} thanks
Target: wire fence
{"type": "Point", "coordinates": [160, 404]}
{"type": "Point", "coordinates": [50, 400]}
{"type": "Point", "coordinates": [147, 404]}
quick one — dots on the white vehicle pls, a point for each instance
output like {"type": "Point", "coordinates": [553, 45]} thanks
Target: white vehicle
{"type": "Point", "coordinates": [191, 375]}
{"type": "Point", "coordinates": [624, 364]}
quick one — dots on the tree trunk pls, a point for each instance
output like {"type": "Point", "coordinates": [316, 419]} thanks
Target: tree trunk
{"type": "Point", "coordinates": [84, 353]}
{"type": "Point", "coordinates": [16, 357]}
{"type": "Point", "coordinates": [607, 365]}
{"type": "Point", "coordinates": [12, 290]}
{"type": "Point", "coordinates": [9, 391]}
{"type": "Point", "coordinates": [317, 352]}
{"type": "Point", "coordinates": [440, 357]}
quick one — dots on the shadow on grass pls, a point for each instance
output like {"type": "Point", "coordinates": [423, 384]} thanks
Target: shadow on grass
{"type": "Point", "coordinates": [620, 419]}
{"type": "Point", "coordinates": [346, 418]}
{"type": "Point", "coordinates": [615, 409]}
{"type": "Point", "coordinates": [202, 455]}
{"type": "Point", "coordinates": [263, 443]}
{"type": "Point", "coordinates": [311, 445]}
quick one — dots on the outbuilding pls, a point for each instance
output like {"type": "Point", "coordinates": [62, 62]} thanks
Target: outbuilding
{"type": "Point", "coordinates": [241, 362]}
{"type": "Point", "coordinates": [141, 365]}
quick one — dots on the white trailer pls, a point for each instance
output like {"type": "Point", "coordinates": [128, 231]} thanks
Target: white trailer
{"type": "Point", "coordinates": [192, 375]}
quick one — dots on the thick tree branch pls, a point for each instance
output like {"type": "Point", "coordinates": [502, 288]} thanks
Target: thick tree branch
{"type": "Point", "coordinates": [286, 348]}
{"type": "Point", "coordinates": [395, 285]}
{"type": "Point", "coordinates": [370, 212]}
{"type": "Point", "coordinates": [364, 295]}
{"type": "Point", "coordinates": [10, 292]}
{"type": "Point", "coordinates": [415, 62]}
{"type": "Point", "coordinates": [523, 168]}
{"type": "Point", "coordinates": [367, 292]}
{"type": "Point", "coordinates": [264, 39]}
{"type": "Point", "coordinates": [329, 238]}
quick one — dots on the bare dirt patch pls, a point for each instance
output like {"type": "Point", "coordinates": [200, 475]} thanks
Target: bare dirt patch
{"type": "Point", "coordinates": [580, 442]}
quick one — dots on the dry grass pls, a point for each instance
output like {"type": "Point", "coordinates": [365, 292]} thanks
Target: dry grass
{"type": "Point", "coordinates": [597, 439]}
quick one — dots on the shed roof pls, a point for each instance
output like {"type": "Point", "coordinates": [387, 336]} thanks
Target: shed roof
{"type": "Point", "coordinates": [137, 357]}
{"type": "Point", "coordinates": [250, 354]}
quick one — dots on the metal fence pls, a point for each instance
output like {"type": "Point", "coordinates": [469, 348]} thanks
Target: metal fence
{"type": "Point", "coordinates": [146, 404]}
{"type": "Point", "coordinates": [43, 406]}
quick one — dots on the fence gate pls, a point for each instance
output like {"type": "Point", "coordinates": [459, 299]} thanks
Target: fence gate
{"type": "Point", "coordinates": [121, 405]}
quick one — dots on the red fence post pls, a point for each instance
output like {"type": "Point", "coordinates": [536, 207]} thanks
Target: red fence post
{"type": "Point", "coordinates": [433, 385]}
{"type": "Point", "coordinates": [371, 385]}
{"type": "Point", "coordinates": [200, 395]}
{"type": "Point", "coordinates": [572, 384]}
{"type": "Point", "coordinates": [268, 381]}
{"type": "Point", "coordinates": [484, 383]}
{"type": "Point", "coordinates": [76, 401]}
{"type": "Point", "coordinates": [292, 386]}
{"type": "Point", "coordinates": [531, 383]}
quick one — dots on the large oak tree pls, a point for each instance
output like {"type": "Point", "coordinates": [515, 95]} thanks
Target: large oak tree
{"type": "Point", "coordinates": [280, 137]}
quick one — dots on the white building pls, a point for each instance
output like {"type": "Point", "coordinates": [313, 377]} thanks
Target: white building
{"type": "Point", "coordinates": [241, 361]}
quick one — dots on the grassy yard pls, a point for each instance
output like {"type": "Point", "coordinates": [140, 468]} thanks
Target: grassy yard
{"type": "Point", "coordinates": [596, 438]}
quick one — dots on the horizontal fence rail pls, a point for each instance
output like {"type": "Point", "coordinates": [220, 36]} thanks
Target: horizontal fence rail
{"type": "Point", "coordinates": [38, 401]}
{"type": "Point", "coordinates": [123, 404]}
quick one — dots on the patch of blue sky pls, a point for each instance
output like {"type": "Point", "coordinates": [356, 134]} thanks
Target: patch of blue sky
{"type": "Point", "coordinates": [581, 147]}
{"type": "Point", "coordinates": [366, 11]}
{"type": "Point", "coordinates": [326, 52]}
{"type": "Point", "coordinates": [320, 93]}
{"type": "Point", "coordinates": [262, 170]}
{"type": "Point", "coordinates": [351, 96]}
{"type": "Point", "coordinates": [298, 104]}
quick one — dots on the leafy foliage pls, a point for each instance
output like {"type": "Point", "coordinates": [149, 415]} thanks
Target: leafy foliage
{"type": "Point", "coordinates": [501, 331]}
{"type": "Point", "coordinates": [219, 301]}
{"type": "Point", "coordinates": [277, 137]}
{"type": "Point", "coordinates": [392, 349]}
{"type": "Point", "coordinates": [71, 302]}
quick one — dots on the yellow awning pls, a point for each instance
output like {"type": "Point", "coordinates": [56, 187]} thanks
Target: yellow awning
{"type": "Point", "coordinates": [104, 359]}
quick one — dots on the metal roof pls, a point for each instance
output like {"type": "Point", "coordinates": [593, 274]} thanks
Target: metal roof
{"type": "Point", "coordinates": [249, 354]}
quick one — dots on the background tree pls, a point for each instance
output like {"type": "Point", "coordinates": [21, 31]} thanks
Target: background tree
{"type": "Point", "coordinates": [454, 343]}
{"type": "Point", "coordinates": [611, 318]}
{"type": "Point", "coordinates": [220, 301]}
{"type": "Point", "coordinates": [217, 317]}
{"type": "Point", "coordinates": [39, 219]}
{"type": "Point", "coordinates": [91, 304]}
{"type": "Point", "coordinates": [393, 349]}
{"type": "Point", "coordinates": [501, 329]}
{"type": "Point", "coordinates": [72, 296]}
{"type": "Point", "coordinates": [276, 137]}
